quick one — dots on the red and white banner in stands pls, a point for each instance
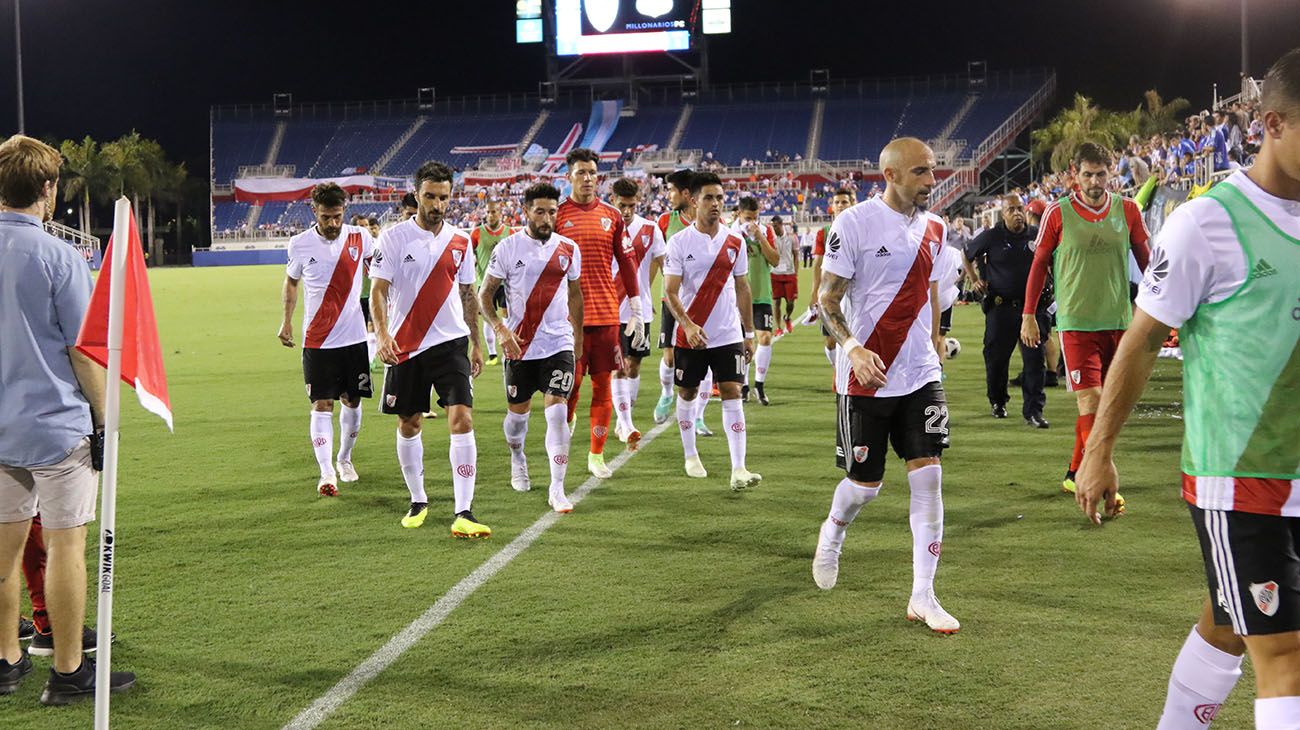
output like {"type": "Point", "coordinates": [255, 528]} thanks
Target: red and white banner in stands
{"type": "Point", "coordinates": [261, 190]}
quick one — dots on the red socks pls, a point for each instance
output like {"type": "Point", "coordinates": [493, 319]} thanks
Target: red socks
{"type": "Point", "coordinates": [579, 369]}
{"type": "Point", "coordinates": [1082, 427]}
{"type": "Point", "coordinates": [602, 407]}
{"type": "Point", "coordinates": [34, 572]}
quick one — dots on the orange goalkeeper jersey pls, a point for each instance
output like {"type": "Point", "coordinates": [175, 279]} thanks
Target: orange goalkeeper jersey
{"type": "Point", "coordinates": [597, 228]}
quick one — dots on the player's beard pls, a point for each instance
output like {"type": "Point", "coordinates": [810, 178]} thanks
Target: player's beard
{"type": "Point", "coordinates": [1095, 194]}
{"type": "Point", "coordinates": [330, 232]}
{"type": "Point", "coordinates": [540, 233]}
{"type": "Point", "coordinates": [432, 219]}
{"type": "Point", "coordinates": [922, 199]}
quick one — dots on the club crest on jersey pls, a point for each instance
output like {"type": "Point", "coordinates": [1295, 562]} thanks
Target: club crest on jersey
{"type": "Point", "coordinates": [1266, 597]}
{"type": "Point", "coordinates": [512, 391]}
{"type": "Point", "coordinates": [860, 453]}
{"type": "Point", "coordinates": [606, 223]}
{"type": "Point", "coordinates": [564, 262]}
{"type": "Point", "coordinates": [391, 400]}
{"type": "Point", "coordinates": [731, 255]}
{"type": "Point", "coordinates": [1076, 376]}
{"type": "Point", "coordinates": [354, 252]}
{"type": "Point", "coordinates": [456, 257]}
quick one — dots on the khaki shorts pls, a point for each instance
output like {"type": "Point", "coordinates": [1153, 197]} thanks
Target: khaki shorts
{"type": "Point", "coordinates": [63, 493]}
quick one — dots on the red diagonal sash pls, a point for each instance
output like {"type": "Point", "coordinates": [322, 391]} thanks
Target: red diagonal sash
{"type": "Point", "coordinates": [427, 304]}
{"type": "Point", "coordinates": [891, 329]}
{"type": "Point", "coordinates": [539, 299]}
{"type": "Point", "coordinates": [336, 293]}
{"type": "Point", "coordinates": [714, 281]}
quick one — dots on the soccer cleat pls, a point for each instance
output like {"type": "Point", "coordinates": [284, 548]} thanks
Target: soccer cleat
{"type": "Point", "coordinates": [999, 410]}
{"type": "Point", "coordinates": [43, 643]}
{"type": "Point", "coordinates": [826, 563]}
{"type": "Point", "coordinates": [715, 393]}
{"type": "Point", "coordinates": [596, 465]}
{"type": "Point", "coordinates": [789, 326]}
{"type": "Point", "coordinates": [695, 468]}
{"type": "Point", "coordinates": [493, 360]}
{"type": "Point", "coordinates": [11, 675]}
{"type": "Point", "coordinates": [742, 479]}
{"type": "Point", "coordinates": [347, 472]}
{"type": "Point", "coordinates": [466, 526]}
{"type": "Point", "coordinates": [26, 629]}
{"type": "Point", "coordinates": [926, 608]}
{"type": "Point", "coordinates": [327, 486]}
{"type": "Point", "coordinates": [762, 396]}
{"type": "Point", "coordinates": [701, 429]}
{"type": "Point", "coordinates": [65, 689]}
{"type": "Point", "coordinates": [1067, 484]}
{"type": "Point", "coordinates": [519, 479]}
{"type": "Point", "coordinates": [662, 408]}
{"type": "Point", "coordinates": [415, 516]}
{"type": "Point", "coordinates": [744, 393]}
{"type": "Point", "coordinates": [559, 502]}
{"type": "Point", "coordinates": [630, 436]}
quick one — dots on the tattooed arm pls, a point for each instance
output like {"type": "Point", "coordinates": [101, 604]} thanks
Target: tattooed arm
{"type": "Point", "coordinates": [469, 302]}
{"type": "Point", "coordinates": [868, 368]}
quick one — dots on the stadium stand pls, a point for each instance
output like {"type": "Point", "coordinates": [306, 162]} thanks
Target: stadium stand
{"type": "Point", "coordinates": [748, 131]}
{"type": "Point", "coordinates": [304, 141]}
{"type": "Point", "coordinates": [357, 144]}
{"type": "Point", "coordinates": [239, 142]}
{"type": "Point", "coordinates": [438, 135]}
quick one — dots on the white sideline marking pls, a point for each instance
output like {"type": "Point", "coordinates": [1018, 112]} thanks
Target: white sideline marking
{"type": "Point", "coordinates": [326, 704]}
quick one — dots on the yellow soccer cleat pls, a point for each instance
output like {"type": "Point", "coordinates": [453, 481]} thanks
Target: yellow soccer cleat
{"type": "Point", "coordinates": [465, 526]}
{"type": "Point", "coordinates": [1067, 484]}
{"type": "Point", "coordinates": [596, 465]}
{"type": "Point", "coordinates": [415, 517]}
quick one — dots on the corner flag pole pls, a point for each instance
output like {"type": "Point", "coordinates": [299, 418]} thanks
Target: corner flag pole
{"type": "Point", "coordinates": [112, 417]}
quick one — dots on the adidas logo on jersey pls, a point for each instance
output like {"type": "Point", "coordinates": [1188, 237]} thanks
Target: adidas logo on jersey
{"type": "Point", "coordinates": [690, 257]}
{"type": "Point", "coordinates": [409, 259]}
{"type": "Point", "coordinates": [1262, 269]}
{"type": "Point", "coordinates": [568, 224]}
{"type": "Point", "coordinates": [519, 264]}
{"type": "Point", "coordinates": [883, 252]}
{"type": "Point", "coordinates": [311, 260]}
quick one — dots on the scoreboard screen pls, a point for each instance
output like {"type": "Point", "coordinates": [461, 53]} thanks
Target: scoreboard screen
{"type": "Point", "coordinates": [589, 27]}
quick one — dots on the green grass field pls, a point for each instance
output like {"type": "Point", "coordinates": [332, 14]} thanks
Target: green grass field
{"type": "Point", "coordinates": [661, 602]}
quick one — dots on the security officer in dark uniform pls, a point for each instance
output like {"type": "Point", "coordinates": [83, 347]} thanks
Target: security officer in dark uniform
{"type": "Point", "coordinates": [1005, 253]}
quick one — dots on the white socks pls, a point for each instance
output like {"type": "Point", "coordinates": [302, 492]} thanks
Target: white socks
{"type": "Point", "coordinates": [686, 410]}
{"type": "Point", "coordinates": [410, 457]}
{"type": "Point", "coordinates": [516, 428]}
{"type": "Point", "coordinates": [733, 422]}
{"type": "Point", "coordinates": [1277, 713]}
{"type": "Point", "coordinates": [706, 391]}
{"type": "Point", "coordinates": [464, 461]}
{"type": "Point", "coordinates": [1201, 680]}
{"type": "Point", "coordinates": [849, 499]}
{"type": "Point", "coordinates": [665, 379]}
{"type": "Point", "coordinates": [557, 443]}
{"type": "Point", "coordinates": [633, 386]}
{"type": "Point", "coordinates": [762, 361]}
{"type": "Point", "coordinates": [322, 440]}
{"type": "Point", "coordinates": [926, 517]}
{"type": "Point", "coordinates": [349, 428]}
{"type": "Point", "coordinates": [622, 401]}
{"type": "Point", "coordinates": [490, 339]}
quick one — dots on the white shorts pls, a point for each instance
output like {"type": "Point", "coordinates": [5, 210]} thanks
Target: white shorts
{"type": "Point", "coordinates": [63, 493]}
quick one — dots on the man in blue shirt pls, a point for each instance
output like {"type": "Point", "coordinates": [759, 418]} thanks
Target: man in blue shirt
{"type": "Point", "coordinates": [52, 395]}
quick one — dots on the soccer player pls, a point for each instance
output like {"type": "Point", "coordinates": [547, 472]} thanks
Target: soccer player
{"type": "Point", "coordinates": [880, 257]}
{"type": "Point", "coordinates": [542, 331]}
{"type": "Point", "coordinates": [424, 275]}
{"type": "Point", "coordinates": [680, 217]}
{"type": "Point", "coordinates": [760, 247]}
{"type": "Point", "coordinates": [485, 238]}
{"type": "Point", "coordinates": [372, 225]}
{"type": "Point", "coordinates": [1224, 272]}
{"type": "Point", "coordinates": [706, 273]}
{"type": "Point", "coordinates": [841, 201]}
{"type": "Point", "coordinates": [1085, 238]}
{"type": "Point", "coordinates": [335, 365]}
{"type": "Point", "coordinates": [785, 275]}
{"type": "Point", "coordinates": [647, 247]}
{"type": "Point", "coordinates": [597, 228]}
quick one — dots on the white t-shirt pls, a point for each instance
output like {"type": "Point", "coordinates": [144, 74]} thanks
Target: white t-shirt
{"type": "Point", "coordinates": [332, 272]}
{"type": "Point", "coordinates": [644, 242]}
{"type": "Point", "coordinates": [948, 264]}
{"type": "Point", "coordinates": [531, 269]}
{"type": "Point", "coordinates": [890, 259]}
{"type": "Point", "coordinates": [708, 267]}
{"type": "Point", "coordinates": [787, 249]}
{"type": "Point", "coordinates": [1196, 258]}
{"type": "Point", "coordinates": [423, 270]}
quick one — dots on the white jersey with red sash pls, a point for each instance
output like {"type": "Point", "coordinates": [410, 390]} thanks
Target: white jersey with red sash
{"type": "Point", "coordinates": [643, 240]}
{"type": "Point", "coordinates": [708, 266]}
{"type": "Point", "coordinates": [423, 271]}
{"type": "Point", "coordinates": [332, 273]}
{"type": "Point", "coordinates": [536, 274]}
{"type": "Point", "coordinates": [890, 259]}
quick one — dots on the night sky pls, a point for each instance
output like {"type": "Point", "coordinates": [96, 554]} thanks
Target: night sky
{"type": "Point", "coordinates": [103, 68]}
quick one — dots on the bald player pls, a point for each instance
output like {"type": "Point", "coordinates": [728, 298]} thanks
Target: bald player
{"type": "Point", "coordinates": [880, 260]}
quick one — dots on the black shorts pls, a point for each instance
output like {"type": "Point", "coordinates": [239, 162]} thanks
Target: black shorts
{"type": "Point", "coordinates": [365, 309]}
{"type": "Point", "coordinates": [945, 321]}
{"type": "Point", "coordinates": [825, 332]}
{"type": "Point", "coordinates": [667, 327]}
{"type": "Point", "coordinates": [727, 363]}
{"type": "Point", "coordinates": [336, 371]}
{"type": "Point", "coordinates": [443, 367]}
{"type": "Point", "coordinates": [1253, 569]}
{"type": "Point", "coordinates": [626, 341]}
{"type": "Point", "coordinates": [499, 299]}
{"type": "Point", "coordinates": [763, 317]}
{"type": "Point", "coordinates": [552, 375]}
{"type": "Point", "coordinates": [916, 424]}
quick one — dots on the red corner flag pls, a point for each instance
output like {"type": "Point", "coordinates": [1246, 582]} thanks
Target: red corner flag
{"type": "Point", "coordinates": [142, 363]}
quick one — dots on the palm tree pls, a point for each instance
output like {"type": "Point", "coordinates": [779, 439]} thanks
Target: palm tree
{"type": "Point", "coordinates": [1160, 117]}
{"type": "Point", "coordinates": [1079, 123]}
{"type": "Point", "coordinates": [129, 174]}
{"type": "Point", "coordinates": [85, 176]}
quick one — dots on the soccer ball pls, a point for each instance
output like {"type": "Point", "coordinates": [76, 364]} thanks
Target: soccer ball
{"type": "Point", "coordinates": [952, 346]}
